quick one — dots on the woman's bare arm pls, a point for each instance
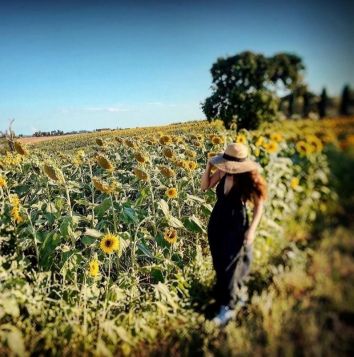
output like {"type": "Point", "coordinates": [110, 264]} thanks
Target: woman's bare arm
{"type": "Point", "coordinates": [208, 181]}
{"type": "Point", "coordinates": [257, 214]}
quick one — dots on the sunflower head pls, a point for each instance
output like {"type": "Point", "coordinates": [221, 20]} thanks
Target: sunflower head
{"type": "Point", "coordinates": [241, 139]}
{"type": "Point", "coordinates": [20, 148]}
{"type": "Point", "coordinates": [170, 235]}
{"type": "Point", "coordinates": [142, 175]}
{"type": "Point", "coordinates": [271, 147]}
{"type": "Point", "coordinates": [104, 163]}
{"type": "Point", "coordinates": [171, 192]}
{"type": "Point", "coordinates": [294, 182]}
{"type": "Point", "coordinates": [54, 173]}
{"type": "Point", "coordinates": [109, 243]}
{"type": "Point", "coordinates": [99, 142]}
{"type": "Point", "coordinates": [3, 182]}
{"type": "Point", "coordinates": [168, 153]}
{"type": "Point", "coordinates": [94, 267]}
{"type": "Point", "coordinates": [217, 140]}
{"type": "Point", "coordinates": [165, 139]}
{"type": "Point", "coordinates": [140, 157]}
{"type": "Point", "coordinates": [166, 171]}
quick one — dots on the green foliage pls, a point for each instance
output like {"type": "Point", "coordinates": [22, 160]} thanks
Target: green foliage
{"type": "Point", "coordinates": [244, 87]}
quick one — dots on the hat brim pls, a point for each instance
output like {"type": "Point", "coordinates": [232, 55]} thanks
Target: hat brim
{"type": "Point", "coordinates": [234, 167]}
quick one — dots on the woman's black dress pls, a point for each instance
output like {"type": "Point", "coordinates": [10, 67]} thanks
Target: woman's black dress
{"type": "Point", "coordinates": [231, 257]}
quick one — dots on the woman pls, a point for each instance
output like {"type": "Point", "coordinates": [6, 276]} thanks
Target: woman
{"type": "Point", "coordinates": [230, 235]}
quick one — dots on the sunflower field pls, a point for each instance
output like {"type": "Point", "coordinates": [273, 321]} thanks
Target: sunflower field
{"type": "Point", "coordinates": [104, 250]}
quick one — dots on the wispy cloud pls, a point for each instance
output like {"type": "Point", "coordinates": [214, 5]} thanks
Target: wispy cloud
{"type": "Point", "coordinates": [116, 109]}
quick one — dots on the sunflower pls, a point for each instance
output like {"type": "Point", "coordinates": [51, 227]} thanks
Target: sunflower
{"type": "Point", "coordinates": [302, 147]}
{"type": "Point", "coordinates": [271, 147]}
{"type": "Point", "coordinates": [109, 243]}
{"type": "Point", "coordinates": [104, 163]}
{"type": "Point", "coordinates": [99, 142]}
{"type": "Point", "coordinates": [190, 153]}
{"type": "Point", "coordinates": [94, 268]}
{"type": "Point", "coordinates": [260, 141]}
{"type": "Point", "coordinates": [53, 172]}
{"type": "Point", "coordinates": [315, 143]}
{"type": "Point", "coordinates": [166, 171]}
{"type": "Point", "coordinates": [3, 182]}
{"type": "Point", "coordinates": [294, 182]}
{"type": "Point", "coordinates": [212, 154]}
{"type": "Point", "coordinates": [168, 153]}
{"type": "Point", "coordinates": [217, 140]}
{"type": "Point", "coordinates": [170, 235]}
{"type": "Point", "coordinates": [142, 175]}
{"type": "Point", "coordinates": [171, 193]}
{"type": "Point", "coordinates": [276, 137]}
{"type": "Point", "coordinates": [104, 186]}
{"type": "Point", "coordinates": [15, 210]}
{"type": "Point", "coordinates": [165, 139]}
{"type": "Point", "coordinates": [191, 165]}
{"type": "Point", "coordinates": [240, 138]}
{"type": "Point", "coordinates": [130, 143]}
{"type": "Point", "coordinates": [21, 149]}
{"type": "Point", "coordinates": [140, 157]}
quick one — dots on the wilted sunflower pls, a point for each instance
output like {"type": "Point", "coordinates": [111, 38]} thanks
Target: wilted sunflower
{"type": "Point", "coordinates": [168, 153]}
{"type": "Point", "coordinates": [109, 243]}
{"type": "Point", "coordinates": [142, 175]}
{"type": "Point", "coordinates": [119, 139]}
{"type": "Point", "coordinates": [171, 193]}
{"type": "Point", "coordinates": [20, 148]}
{"type": "Point", "coordinates": [104, 163]}
{"type": "Point", "coordinates": [99, 142]}
{"type": "Point", "coordinates": [140, 157]}
{"type": "Point", "coordinates": [104, 186]}
{"type": "Point", "coordinates": [94, 268]}
{"type": "Point", "coordinates": [271, 147]}
{"type": "Point", "coordinates": [165, 139]}
{"type": "Point", "coordinates": [3, 182]}
{"type": "Point", "coordinates": [130, 143]}
{"type": "Point", "coordinates": [53, 172]}
{"type": "Point", "coordinates": [170, 235]}
{"type": "Point", "coordinates": [166, 171]}
{"type": "Point", "coordinates": [294, 182]}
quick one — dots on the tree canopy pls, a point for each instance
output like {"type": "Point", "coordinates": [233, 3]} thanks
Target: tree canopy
{"type": "Point", "coordinates": [245, 87]}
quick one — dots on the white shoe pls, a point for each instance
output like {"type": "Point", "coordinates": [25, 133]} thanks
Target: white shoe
{"type": "Point", "coordinates": [224, 315]}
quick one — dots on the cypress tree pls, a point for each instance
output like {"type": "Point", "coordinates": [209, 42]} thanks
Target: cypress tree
{"type": "Point", "coordinates": [323, 103]}
{"type": "Point", "coordinates": [345, 101]}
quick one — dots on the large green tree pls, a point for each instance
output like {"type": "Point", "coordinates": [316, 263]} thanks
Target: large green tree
{"type": "Point", "coordinates": [244, 87]}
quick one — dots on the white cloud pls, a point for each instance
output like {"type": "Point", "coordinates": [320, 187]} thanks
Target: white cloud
{"type": "Point", "coordinates": [108, 109]}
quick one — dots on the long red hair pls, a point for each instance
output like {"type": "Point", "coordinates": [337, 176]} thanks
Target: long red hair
{"type": "Point", "coordinates": [252, 185]}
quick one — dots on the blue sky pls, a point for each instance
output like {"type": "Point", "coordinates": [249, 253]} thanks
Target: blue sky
{"type": "Point", "coordinates": [74, 65]}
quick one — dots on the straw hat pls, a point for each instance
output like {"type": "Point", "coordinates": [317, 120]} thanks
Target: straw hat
{"type": "Point", "coordinates": [234, 159]}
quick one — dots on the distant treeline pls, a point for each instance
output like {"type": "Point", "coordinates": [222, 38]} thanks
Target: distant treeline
{"type": "Point", "coordinates": [61, 132]}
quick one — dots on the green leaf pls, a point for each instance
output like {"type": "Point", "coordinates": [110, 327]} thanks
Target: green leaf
{"type": "Point", "coordinates": [103, 207]}
{"type": "Point", "coordinates": [93, 233]}
{"type": "Point", "coordinates": [46, 253]}
{"type": "Point", "coordinates": [174, 222]}
{"type": "Point", "coordinates": [193, 224]}
{"type": "Point", "coordinates": [129, 215]}
{"type": "Point", "coordinates": [164, 207]}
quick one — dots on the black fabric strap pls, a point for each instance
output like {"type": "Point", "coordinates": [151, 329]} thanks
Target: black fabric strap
{"type": "Point", "coordinates": [232, 158]}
